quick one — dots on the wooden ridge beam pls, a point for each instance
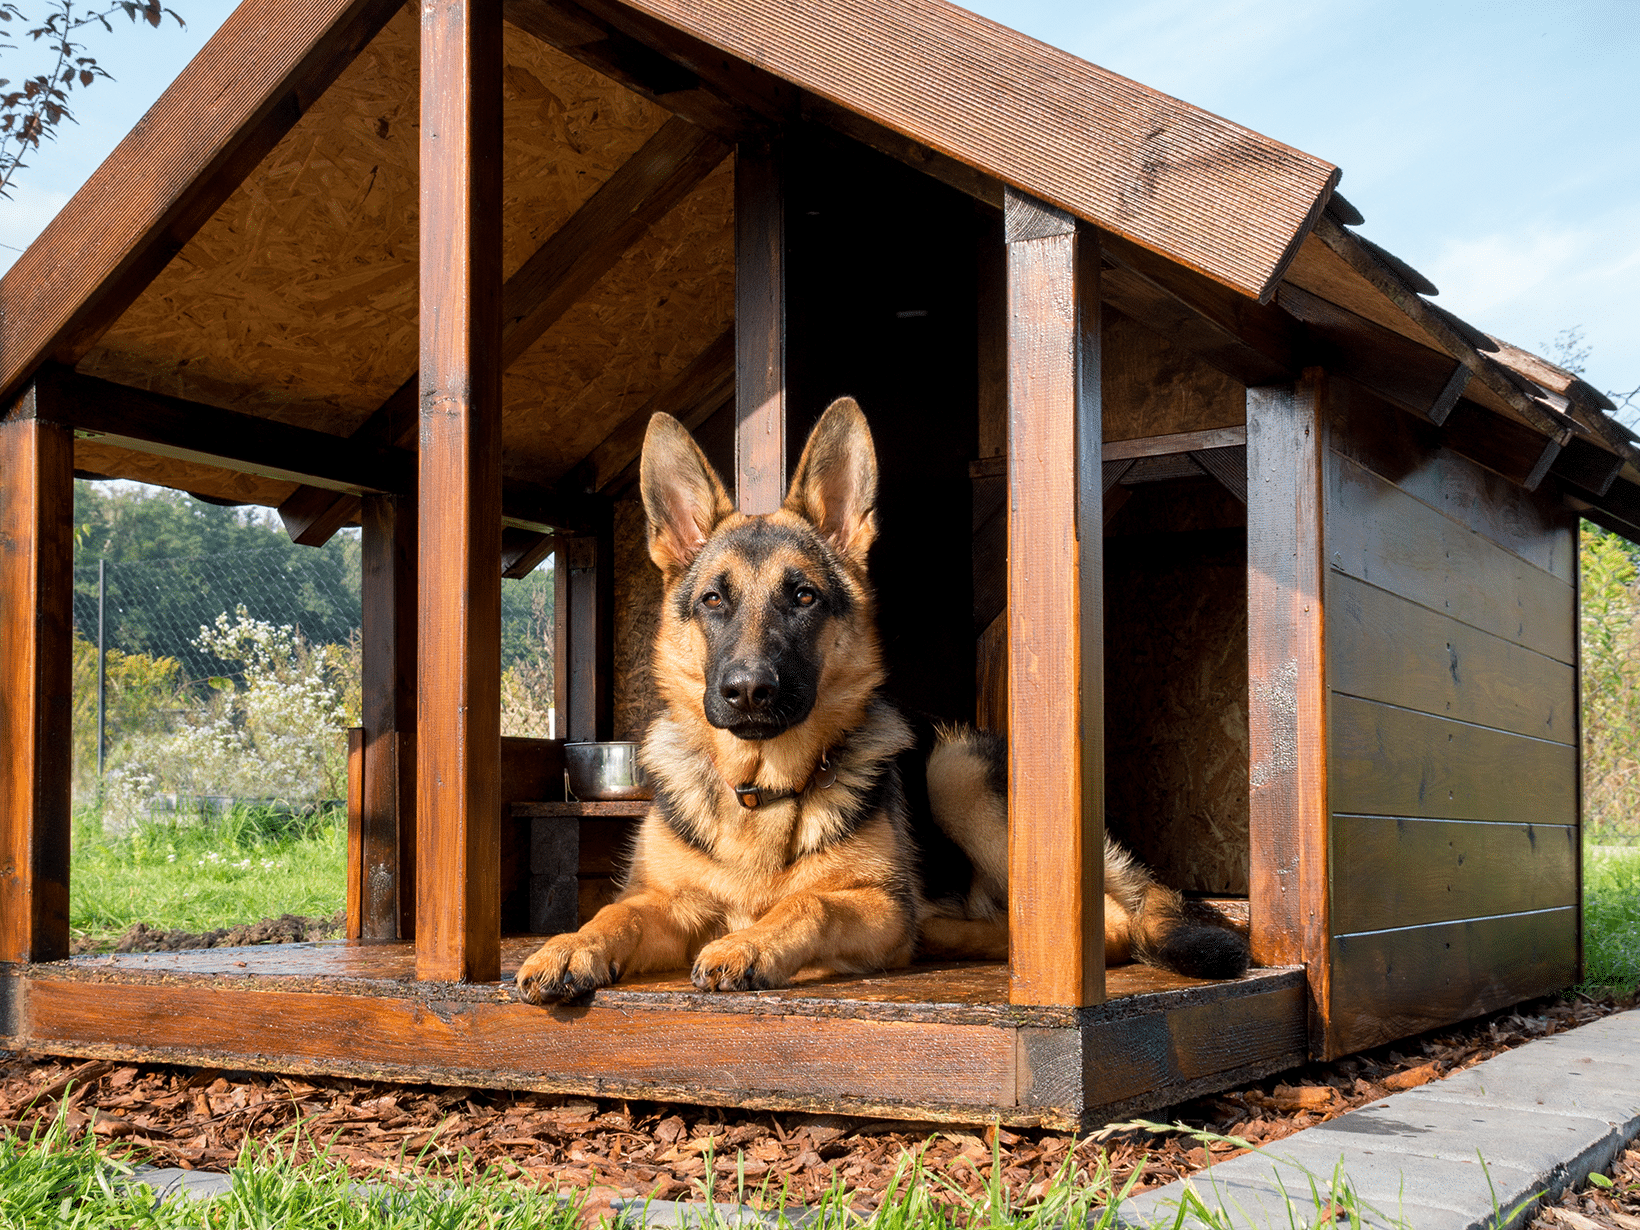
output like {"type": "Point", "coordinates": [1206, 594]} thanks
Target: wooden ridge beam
{"type": "Point", "coordinates": [664, 170]}
{"type": "Point", "coordinates": [165, 426]}
{"type": "Point", "coordinates": [238, 97]}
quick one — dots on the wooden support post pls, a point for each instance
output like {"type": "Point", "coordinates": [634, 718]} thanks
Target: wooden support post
{"type": "Point", "coordinates": [354, 912]}
{"type": "Point", "coordinates": [388, 808]}
{"type": "Point", "coordinates": [36, 688]}
{"type": "Point", "coordinates": [760, 328]}
{"type": "Point", "coordinates": [1056, 772]}
{"type": "Point", "coordinates": [1286, 685]}
{"type": "Point", "coordinates": [458, 709]}
{"type": "Point", "coordinates": [586, 636]}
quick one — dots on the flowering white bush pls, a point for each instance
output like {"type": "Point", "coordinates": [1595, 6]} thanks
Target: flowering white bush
{"type": "Point", "coordinates": [276, 732]}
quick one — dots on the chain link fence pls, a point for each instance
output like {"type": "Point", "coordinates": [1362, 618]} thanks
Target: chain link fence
{"type": "Point", "coordinates": [233, 676]}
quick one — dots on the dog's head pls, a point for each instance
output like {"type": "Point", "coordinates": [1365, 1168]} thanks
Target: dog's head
{"type": "Point", "coordinates": [769, 621]}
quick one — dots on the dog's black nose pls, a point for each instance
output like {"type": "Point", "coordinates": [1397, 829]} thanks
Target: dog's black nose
{"type": "Point", "coordinates": [751, 687]}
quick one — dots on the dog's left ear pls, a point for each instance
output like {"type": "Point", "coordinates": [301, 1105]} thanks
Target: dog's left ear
{"type": "Point", "coordinates": [836, 484]}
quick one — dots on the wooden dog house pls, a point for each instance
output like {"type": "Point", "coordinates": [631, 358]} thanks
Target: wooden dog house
{"type": "Point", "coordinates": [1249, 543]}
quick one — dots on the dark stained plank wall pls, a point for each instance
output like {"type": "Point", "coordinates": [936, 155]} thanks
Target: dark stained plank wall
{"type": "Point", "coordinates": [1056, 771]}
{"type": "Point", "coordinates": [458, 745]}
{"type": "Point", "coordinates": [36, 687]}
{"type": "Point", "coordinates": [1453, 761]}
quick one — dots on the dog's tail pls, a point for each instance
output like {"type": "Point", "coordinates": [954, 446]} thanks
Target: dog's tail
{"type": "Point", "coordinates": [1157, 929]}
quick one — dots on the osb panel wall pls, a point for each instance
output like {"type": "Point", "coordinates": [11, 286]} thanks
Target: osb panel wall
{"type": "Point", "coordinates": [1150, 387]}
{"type": "Point", "coordinates": [298, 299]}
{"type": "Point", "coordinates": [667, 298]}
{"type": "Point", "coordinates": [1176, 743]}
{"type": "Point", "coordinates": [637, 615]}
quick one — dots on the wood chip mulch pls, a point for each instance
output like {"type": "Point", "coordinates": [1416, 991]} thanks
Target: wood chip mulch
{"type": "Point", "coordinates": [172, 1116]}
{"type": "Point", "coordinates": [1597, 1206]}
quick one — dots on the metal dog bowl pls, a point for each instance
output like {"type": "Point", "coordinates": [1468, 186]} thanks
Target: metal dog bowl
{"type": "Point", "coordinates": [600, 771]}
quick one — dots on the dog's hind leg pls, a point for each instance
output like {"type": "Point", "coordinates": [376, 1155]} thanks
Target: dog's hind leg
{"type": "Point", "coordinates": [648, 930]}
{"type": "Point", "coordinates": [963, 939]}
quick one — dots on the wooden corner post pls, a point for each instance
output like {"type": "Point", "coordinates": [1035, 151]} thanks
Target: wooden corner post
{"type": "Point", "coordinates": [1056, 690]}
{"type": "Point", "coordinates": [458, 744]}
{"type": "Point", "coordinates": [36, 684]}
{"type": "Point", "coordinates": [1286, 684]}
{"type": "Point", "coordinates": [760, 328]}
{"type": "Point", "coordinates": [387, 849]}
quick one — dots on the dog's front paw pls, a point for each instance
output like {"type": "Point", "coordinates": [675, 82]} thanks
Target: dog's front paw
{"type": "Point", "coordinates": [565, 967]}
{"type": "Point", "coordinates": [734, 964]}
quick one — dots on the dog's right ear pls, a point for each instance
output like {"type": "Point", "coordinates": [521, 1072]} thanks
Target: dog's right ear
{"type": "Point", "coordinates": [682, 495]}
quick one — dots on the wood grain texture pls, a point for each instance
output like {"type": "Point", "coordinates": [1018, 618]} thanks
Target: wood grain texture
{"type": "Point", "coordinates": [1055, 612]}
{"type": "Point", "coordinates": [36, 686]}
{"type": "Point", "coordinates": [1385, 648]}
{"type": "Point", "coordinates": [388, 563]}
{"type": "Point", "coordinates": [1217, 197]}
{"type": "Point", "coordinates": [1386, 761]}
{"type": "Point", "coordinates": [1394, 872]}
{"type": "Point", "coordinates": [249, 84]}
{"type": "Point", "coordinates": [93, 459]}
{"type": "Point", "coordinates": [698, 1056]}
{"type": "Point", "coordinates": [1382, 535]}
{"type": "Point", "coordinates": [1287, 710]}
{"type": "Point", "coordinates": [588, 636]}
{"type": "Point", "coordinates": [1390, 984]}
{"type": "Point", "coordinates": [458, 707]}
{"type": "Point", "coordinates": [760, 328]}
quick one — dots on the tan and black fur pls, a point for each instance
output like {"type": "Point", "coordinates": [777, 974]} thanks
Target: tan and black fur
{"type": "Point", "coordinates": [866, 845]}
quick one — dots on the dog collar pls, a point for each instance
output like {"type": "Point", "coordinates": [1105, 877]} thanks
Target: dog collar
{"type": "Point", "coordinates": [752, 796]}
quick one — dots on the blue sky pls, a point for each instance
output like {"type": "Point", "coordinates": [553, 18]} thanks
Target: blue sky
{"type": "Point", "coordinates": [1494, 146]}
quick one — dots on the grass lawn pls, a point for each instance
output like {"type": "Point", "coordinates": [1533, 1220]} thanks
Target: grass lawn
{"type": "Point", "coordinates": [1611, 919]}
{"type": "Point", "coordinates": [194, 874]}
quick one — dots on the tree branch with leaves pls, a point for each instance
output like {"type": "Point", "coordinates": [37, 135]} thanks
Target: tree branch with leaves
{"type": "Point", "coordinates": [33, 110]}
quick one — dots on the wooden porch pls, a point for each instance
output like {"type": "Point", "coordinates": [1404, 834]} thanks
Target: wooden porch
{"type": "Point", "coordinates": [934, 1042]}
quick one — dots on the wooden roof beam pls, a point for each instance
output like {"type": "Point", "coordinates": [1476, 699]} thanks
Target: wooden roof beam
{"type": "Point", "coordinates": [233, 103]}
{"type": "Point", "coordinates": [1460, 340]}
{"type": "Point", "coordinates": [664, 170]}
{"type": "Point", "coordinates": [1248, 341]}
{"type": "Point", "coordinates": [164, 426]}
{"type": "Point", "coordinates": [639, 67]}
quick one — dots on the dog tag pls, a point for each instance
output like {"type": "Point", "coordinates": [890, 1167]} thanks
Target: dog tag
{"type": "Point", "coordinates": [825, 775]}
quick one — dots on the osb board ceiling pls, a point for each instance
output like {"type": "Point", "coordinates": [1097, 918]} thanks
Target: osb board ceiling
{"type": "Point", "coordinates": [668, 297]}
{"type": "Point", "coordinates": [297, 301]}
{"type": "Point", "coordinates": [1153, 387]}
{"type": "Point", "coordinates": [96, 457]}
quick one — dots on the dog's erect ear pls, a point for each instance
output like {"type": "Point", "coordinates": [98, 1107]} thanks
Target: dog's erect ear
{"type": "Point", "coordinates": [836, 483]}
{"type": "Point", "coordinates": [682, 494]}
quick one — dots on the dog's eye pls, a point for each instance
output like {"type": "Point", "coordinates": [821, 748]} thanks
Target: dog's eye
{"type": "Point", "coordinates": [711, 600]}
{"type": "Point", "coordinates": [806, 596]}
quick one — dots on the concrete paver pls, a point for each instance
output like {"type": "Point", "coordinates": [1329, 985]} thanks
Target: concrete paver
{"type": "Point", "coordinates": [1542, 1116]}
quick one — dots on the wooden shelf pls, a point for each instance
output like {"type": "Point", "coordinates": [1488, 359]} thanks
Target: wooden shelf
{"type": "Point", "coordinates": [623, 807]}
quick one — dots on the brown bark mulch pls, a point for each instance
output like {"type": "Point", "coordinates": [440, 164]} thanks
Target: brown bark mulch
{"type": "Point", "coordinates": [172, 1116]}
{"type": "Point", "coordinates": [1598, 1207]}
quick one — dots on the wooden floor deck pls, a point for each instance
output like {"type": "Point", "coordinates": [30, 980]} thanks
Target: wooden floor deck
{"type": "Point", "coordinates": [927, 1042]}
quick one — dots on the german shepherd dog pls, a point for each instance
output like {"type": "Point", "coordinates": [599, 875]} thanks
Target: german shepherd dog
{"type": "Point", "coordinates": [797, 822]}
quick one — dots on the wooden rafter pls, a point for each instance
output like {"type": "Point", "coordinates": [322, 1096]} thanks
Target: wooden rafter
{"type": "Point", "coordinates": [233, 103]}
{"type": "Point", "coordinates": [663, 171]}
